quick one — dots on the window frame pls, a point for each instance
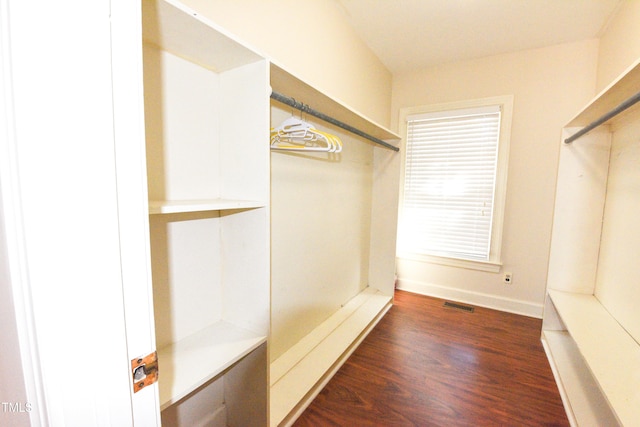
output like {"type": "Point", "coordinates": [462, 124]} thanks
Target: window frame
{"type": "Point", "coordinates": [494, 263]}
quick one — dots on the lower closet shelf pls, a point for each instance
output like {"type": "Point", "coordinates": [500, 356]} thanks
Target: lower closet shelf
{"type": "Point", "coordinates": [580, 392]}
{"type": "Point", "coordinates": [191, 362]}
{"type": "Point", "coordinates": [298, 375]}
{"type": "Point", "coordinates": [610, 354]}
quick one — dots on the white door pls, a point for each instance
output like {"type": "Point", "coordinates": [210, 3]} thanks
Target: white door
{"type": "Point", "coordinates": [73, 212]}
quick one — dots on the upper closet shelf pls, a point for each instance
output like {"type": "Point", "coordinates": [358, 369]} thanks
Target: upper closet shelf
{"type": "Point", "coordinates": [622, 90]}
{"type": "Point", "coordinates": [185, 33]}
{"type": "Point", "coordinates": [183, 206]}
{"type": "Point", "coordinates": [287, 84]}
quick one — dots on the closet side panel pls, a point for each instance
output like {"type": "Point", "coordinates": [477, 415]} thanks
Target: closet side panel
{"type": "Point", "coordinates": [617, 284]}
{"type": "Point", "coordinates": [186, 268]}
{"type": "Point", "coordinates": [181, 124]}
{"type": "Point", "coordinates": [577, 220]}
{"type": "Point", "coordinates": [384, 219]}
{"type": "Point", "coordinates": [244, 126]}
{"type": "Point", "coordinates": [245, 268]}
{"type": "Point", "coordinates": [321, 227]}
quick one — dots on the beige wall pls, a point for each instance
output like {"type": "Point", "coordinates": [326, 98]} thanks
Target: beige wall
{"type": "Point", "coordinates": [313, 40]}
{"type": "Point", "coordinates": [549, 86]}
{"type": "Point", "coordinates": [620, 43]}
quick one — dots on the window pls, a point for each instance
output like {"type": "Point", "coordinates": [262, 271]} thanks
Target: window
{"type": "Point", "coordinates": [455, 182]}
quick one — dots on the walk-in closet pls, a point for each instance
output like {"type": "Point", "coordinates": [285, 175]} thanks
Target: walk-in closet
{"type": "Point", "coordinates": [199, 204]}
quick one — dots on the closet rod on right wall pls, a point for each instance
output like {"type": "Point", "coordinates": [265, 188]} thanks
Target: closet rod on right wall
{"type": "Point", "coordinates": [617, 110]}
{"type": "Point", "coordinates": [306, 109]}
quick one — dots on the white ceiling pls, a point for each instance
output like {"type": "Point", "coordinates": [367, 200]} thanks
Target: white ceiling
{"type": "Point", "coordinates": [413, 34]}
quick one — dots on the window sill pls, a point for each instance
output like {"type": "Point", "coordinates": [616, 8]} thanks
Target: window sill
{"type": "Point", "coordinates": [488, 266]}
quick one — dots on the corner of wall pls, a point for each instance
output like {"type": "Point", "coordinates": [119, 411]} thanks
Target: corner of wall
{"type": "Point", "coordinates": [619, 44]}
{"type": "Point", "coordinates": [332, 58]}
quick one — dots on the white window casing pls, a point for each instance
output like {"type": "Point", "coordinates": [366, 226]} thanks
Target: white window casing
{"type": "Point", "coordinates": [454, 182]}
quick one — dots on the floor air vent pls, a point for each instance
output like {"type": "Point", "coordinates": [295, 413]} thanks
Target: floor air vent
{"type": "Point", "coordinates": [457, 306]}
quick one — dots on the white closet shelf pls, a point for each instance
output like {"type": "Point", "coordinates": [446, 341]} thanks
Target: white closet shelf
{"type": "Point", "coordinates": [183, 206]}
{"type": "Point", "coordinates": [191, 362]}
{"type": "Point", "coordinates": [291, 86]}
{"type": "Point", "coordinates": [621, 89]}
{"type": "Point", "coordinates": [579, 389]}
{"type": "Point", "coordinates": [175, 28]}
{"type": "Point", "coordinates": [298, 375]}
{"type": "Point", "coordinates": [609, 352]}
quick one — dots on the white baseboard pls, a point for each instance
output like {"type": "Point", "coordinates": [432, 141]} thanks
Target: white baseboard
{"type": "Point", "coordinates": [474, 298]}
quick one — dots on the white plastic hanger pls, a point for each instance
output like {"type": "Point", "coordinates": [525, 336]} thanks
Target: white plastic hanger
{"type": "Point", "coordinates": [297, 135]}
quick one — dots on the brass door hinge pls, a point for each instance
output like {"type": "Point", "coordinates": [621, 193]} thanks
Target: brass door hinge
{"type": "Point", "coordinates": [144, 371]}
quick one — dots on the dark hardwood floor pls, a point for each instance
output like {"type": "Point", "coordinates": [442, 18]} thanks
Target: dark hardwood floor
{"type": "Point", "coordinates": [427, 365]}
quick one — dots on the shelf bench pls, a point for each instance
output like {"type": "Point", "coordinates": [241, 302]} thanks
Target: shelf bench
{"type": "Point", "coordinates": [598, 361]}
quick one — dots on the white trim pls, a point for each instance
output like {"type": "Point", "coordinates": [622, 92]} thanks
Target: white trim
{"type": "Point", "coordinates": [491, 267]}
{"type": "Point", "coordinates": [455, 105]}
{"type": "Point", "coordinates": [130, 155]}
{"type": "Point", "coordinates": [505, 102]}
{"type": "Point", "coordinates": [475, 298]}
{"type": "Point", "coordinates": [456, 112]}
{"type": "Point", "coordinates": [16, 263]}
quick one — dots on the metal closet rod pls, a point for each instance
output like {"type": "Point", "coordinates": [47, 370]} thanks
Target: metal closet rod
{"type": "Point", "coordinates": [306, 109]}
{"type": "Point", "coordinates": [617, 110]}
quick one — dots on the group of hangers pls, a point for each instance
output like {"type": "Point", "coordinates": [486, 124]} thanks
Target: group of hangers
{"type": "Point", "coordinates": [297, 135]}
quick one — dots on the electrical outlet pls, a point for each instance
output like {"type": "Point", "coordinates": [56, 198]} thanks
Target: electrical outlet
{"type": "Point", "coordinates": [508, 278]}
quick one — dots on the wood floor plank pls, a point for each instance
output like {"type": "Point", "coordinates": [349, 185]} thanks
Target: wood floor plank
{"type": "Point", "coordinates": [427, 365]}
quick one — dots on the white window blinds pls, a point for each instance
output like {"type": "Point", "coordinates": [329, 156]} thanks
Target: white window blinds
{"type": "Point", "coordinates": [449, 186]}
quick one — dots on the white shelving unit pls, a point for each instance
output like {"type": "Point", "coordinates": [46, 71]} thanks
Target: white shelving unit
{"type": "Point", "coordinates": [590, 327]}
{"type": "Point", "coordinates": [299, 374]}
{"type": "Point", "coordinates": [207, 123]}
